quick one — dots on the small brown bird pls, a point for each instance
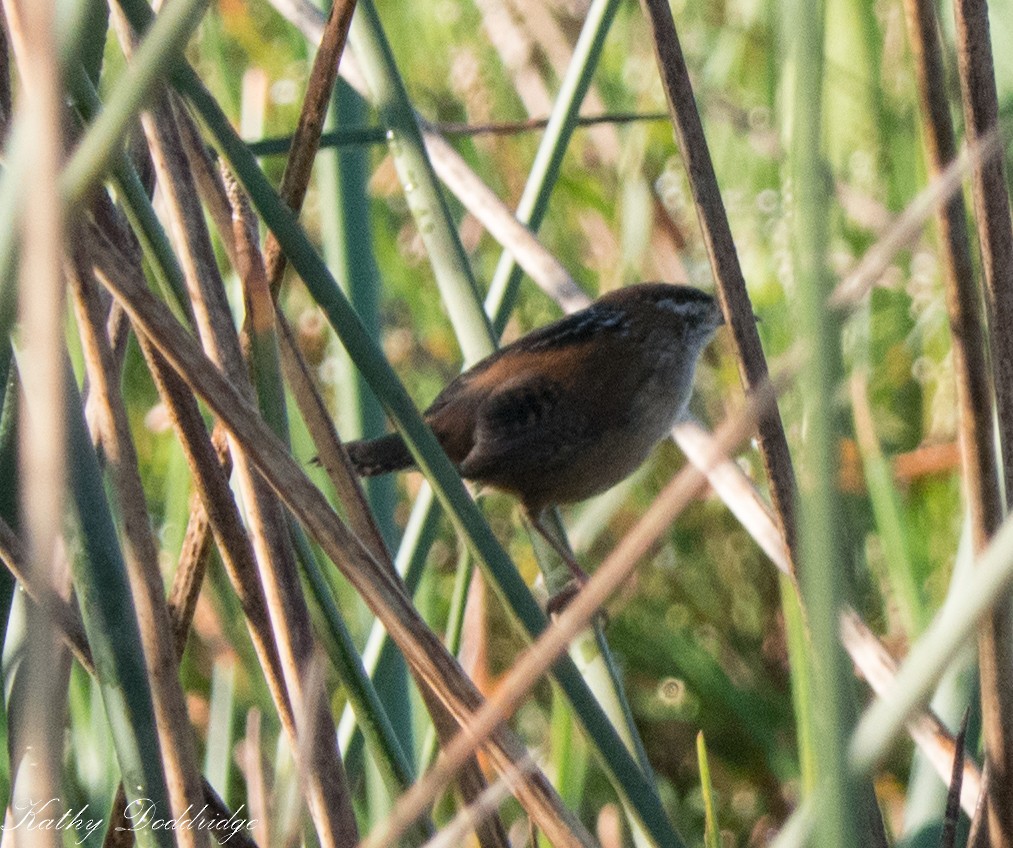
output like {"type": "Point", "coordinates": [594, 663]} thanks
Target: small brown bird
{"type": "Point", "coordinates": [572, 408]}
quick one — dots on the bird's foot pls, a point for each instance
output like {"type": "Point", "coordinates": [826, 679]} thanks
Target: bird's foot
{"type": "Point", "coordinates": [561, 599]}
{"type": "Point", "coordinates": [564, 597]}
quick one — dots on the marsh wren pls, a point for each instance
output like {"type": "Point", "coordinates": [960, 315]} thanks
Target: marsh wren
{"type": "Point", "coordinates": [572, 408]}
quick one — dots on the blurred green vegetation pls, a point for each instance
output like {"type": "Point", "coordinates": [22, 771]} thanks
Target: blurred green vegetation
{"type": "Point", "coordinates": [700, 633]}
{"type": "Point", "coordinates": [701, 636]}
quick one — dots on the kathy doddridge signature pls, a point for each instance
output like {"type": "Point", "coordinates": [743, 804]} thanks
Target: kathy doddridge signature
{"type": "Point", "coordinates": [140, 813]}
{"type": "Point", "coordinates": [45, 815]}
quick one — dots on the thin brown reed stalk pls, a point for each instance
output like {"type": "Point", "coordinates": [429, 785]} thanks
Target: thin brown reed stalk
{"type": "Point", "coordinates": [306, 141]}
{"type": "Point", "coordinates": [974, 398]}
{"type": "Point", "coordinates": [724, 260]}
{"type": "Point", "coordinates": [992, 209]}
{"type": "Point", "coordinates": [141, 555]}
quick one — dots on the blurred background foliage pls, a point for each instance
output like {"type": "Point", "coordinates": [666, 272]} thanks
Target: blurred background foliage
{"type": "Point", "coordinates": [700, 634]}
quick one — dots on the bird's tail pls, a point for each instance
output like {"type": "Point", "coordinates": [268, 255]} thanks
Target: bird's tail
{"type": "Point", "coordinates": [379, 456]}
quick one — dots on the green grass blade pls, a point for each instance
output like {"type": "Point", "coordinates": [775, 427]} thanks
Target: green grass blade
{"type": "Point", "coordinates": [446, 254]}
{"type": "Point", "coordinates": [422, 191]}
{"type": "Point", "coordinates": [802, 688]}
{"type": "Point", "coordinates": [154, 241]}
{"type": "Point", "coordinates": [270, 391]}
{"type": "Point", "coordinates": [218, 750]}
{"type": "Point", "coordinates": [159, 50]}
{"type": "Point", "coordinates": [534, 202]}
{"type": "Point", "coordinates": [348, 249]}
{"type": "Point", "coordinates": [103, 590]}
{"type": "Point", "coordinates": [847, 814]}
{"type": "Point", "coordinates": [380, 652]}
{"type": "Point", "coordinates": [711, 837]}
{"type": "Point", "coordinates": [824, 567]}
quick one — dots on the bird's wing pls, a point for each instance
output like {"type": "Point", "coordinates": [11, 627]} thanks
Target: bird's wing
{"type": "Point", "coordinates": [524, 423]}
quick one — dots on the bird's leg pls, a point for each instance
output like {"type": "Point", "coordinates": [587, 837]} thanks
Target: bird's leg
{"type": "Point", "coordinates": [536, 519]}
{"type": "Point", "coordinates": [579, 577]}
